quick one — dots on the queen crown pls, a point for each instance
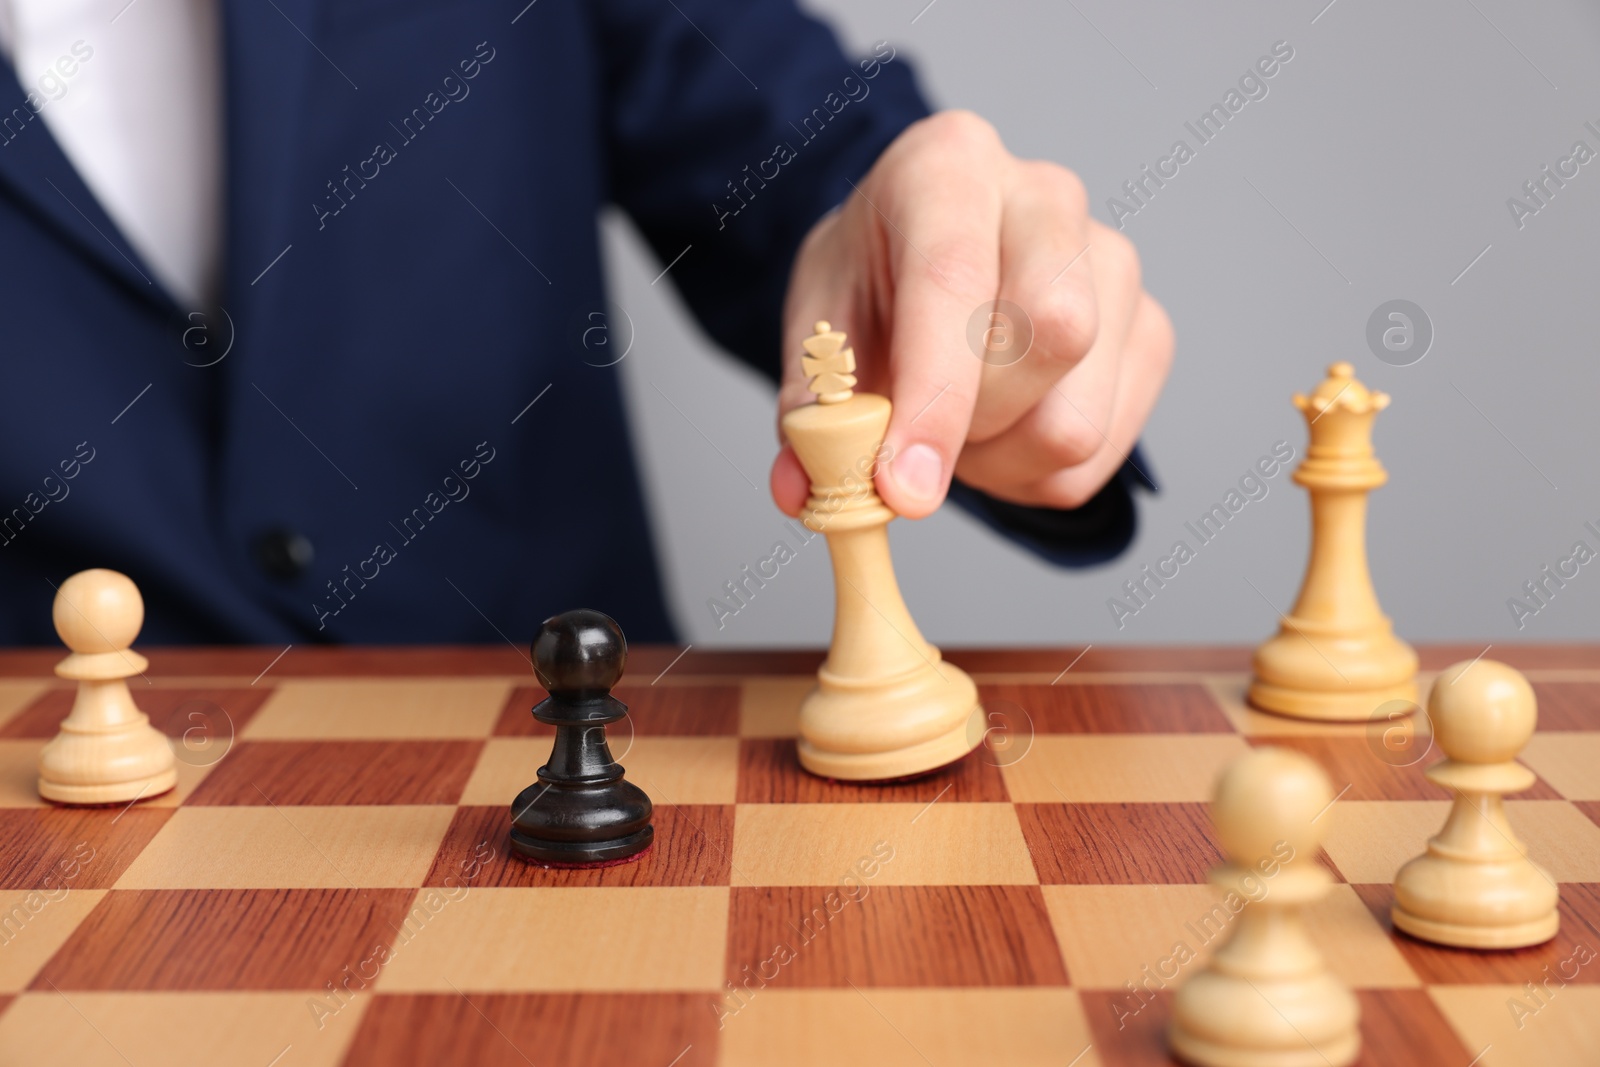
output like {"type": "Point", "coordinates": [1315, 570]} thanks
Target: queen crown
{"type": "Point", "coordinates": [1339, 412]}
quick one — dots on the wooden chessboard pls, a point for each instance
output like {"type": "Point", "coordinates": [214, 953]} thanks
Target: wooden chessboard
{"type": "Point", "coordinates": [354, 833]}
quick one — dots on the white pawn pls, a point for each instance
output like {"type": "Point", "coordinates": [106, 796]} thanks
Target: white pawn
{"type": "Point", "coordinates": [1267, 999]}
{"type": "Point", "coordinates": [1475, 886]}
{"type": "Point", "coordinates": [107, 752]}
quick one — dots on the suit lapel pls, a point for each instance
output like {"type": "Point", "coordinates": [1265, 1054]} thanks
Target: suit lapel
{"type": "Point", "coordinates": [38, 175]}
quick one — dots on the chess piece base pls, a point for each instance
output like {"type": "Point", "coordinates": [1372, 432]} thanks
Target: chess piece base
{"type": "Point", "coordinates": [110, 792]}
{"type": "Point", "coordinates": [1457, 935]}
{"type": "Point", "coordinates": [1223, 1021]}
{"type": "Point", "coordinates": [1350, 706]}
{"type": "Point", "coordinates": [1332, 672]}
{"type": "Point", "coordinates": [581, 853]}
{"type": "Point", "coordinates": [117, 766]}
{"type": "Point", "coordinates": [1467, 904]}
{"type": "Point", "coordinates": [578, 824]}
{"type": "Point", "coordinates": [1202, 1053]}
{"type": "Point", "coordinates": [859, 732]}
{"type": "Point", "coordinates": [911, 762]}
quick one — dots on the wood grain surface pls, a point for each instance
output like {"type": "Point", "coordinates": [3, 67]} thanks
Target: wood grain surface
{"type": "Point", "coordinates": [358, 799]}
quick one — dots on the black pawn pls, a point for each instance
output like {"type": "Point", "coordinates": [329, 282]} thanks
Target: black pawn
{"type": "Point", "coordinates": [580, 811]}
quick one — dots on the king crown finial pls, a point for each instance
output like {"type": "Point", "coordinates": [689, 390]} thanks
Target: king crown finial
{"type": "Point", "coordinates": [828, 365]}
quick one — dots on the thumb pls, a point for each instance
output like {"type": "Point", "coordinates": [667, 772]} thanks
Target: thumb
{"type": "Point", "coordinates": [789, 482]}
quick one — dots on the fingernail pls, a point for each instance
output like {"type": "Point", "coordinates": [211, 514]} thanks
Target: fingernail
{"type": "Point", "coordinates": [919, 471]}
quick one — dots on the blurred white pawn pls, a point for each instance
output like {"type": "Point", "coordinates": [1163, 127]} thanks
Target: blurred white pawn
{"type": "Point", "coordinates": [107, 752]}
{"type": "Point", "coordinates": [1267, 999]}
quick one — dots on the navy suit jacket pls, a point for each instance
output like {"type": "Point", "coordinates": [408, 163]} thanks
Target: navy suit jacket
{"type": "Point", "coordinates": [342, 448]}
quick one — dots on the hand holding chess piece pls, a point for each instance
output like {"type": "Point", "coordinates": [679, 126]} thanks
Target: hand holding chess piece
{"type": "Point", "coordinates": [1475, 886]}
{"type": "Point", "coordinates": [580, 812]}
{"type": "Point", "coordinates": [886, 705]}
{"type": "Point", "coordinates": [107, 752]}
{"type": "Point", "coordinates": [1267, 999]}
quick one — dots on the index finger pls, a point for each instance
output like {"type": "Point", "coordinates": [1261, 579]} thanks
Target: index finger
{"type": "Point", "coordinates": [944, 258]}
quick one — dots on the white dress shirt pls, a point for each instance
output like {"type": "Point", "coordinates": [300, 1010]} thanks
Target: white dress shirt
{"type": "Point", "coordinates": [133, 94]}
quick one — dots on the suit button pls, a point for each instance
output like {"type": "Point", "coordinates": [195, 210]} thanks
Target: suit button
{"type": "Point", "coordinates": [284, 554]}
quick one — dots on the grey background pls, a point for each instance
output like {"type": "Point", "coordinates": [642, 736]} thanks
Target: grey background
{"type": "Point", "coordinates": [1378, 167]}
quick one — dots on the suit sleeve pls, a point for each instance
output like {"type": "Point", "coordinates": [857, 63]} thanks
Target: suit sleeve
{"type": "Point", "coordinates": [1097, 531]}
{"type": "Point", "coordinates": [732, 127]}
